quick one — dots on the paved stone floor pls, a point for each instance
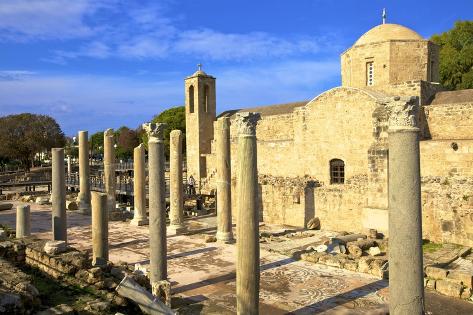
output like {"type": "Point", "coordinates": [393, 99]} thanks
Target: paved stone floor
{"type": "Point", "coordinates": [203, 274]}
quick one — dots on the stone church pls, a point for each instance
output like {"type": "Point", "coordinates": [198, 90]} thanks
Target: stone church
{"type": "Point", "coordinates": [327, 157]}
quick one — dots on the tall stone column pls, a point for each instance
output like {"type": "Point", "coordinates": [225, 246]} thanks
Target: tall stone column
{"type": "Point", "coordinates": [84, 173]}
{"type": "Point", "coordinates": [224, 178]}
{"type": "Point", "coordinates": [109, 169]}
{"type": "Point", "coordinates": [157, 202]}
{"type": "Point", "coordinates": [58, 195]}
{"type": "Point", "coordinates": [23, 221]}
{"type": "Point", "coordinates": [176, 212]}
{"type": "Point", "coordinates": [247, 273]}
{"type": "Point", "coordinates": [69, 165]}
{"type": "Point", "coordinates": [99, 229]}
{"type": "Point", "coordinates": [139, 186]}
{"type": "Point", "coordinates": [406, 289]}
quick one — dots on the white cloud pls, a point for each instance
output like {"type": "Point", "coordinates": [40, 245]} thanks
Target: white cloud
{"type": "Point", "coordinates": [14, 75]}
{"type": "Point", "coordinates": [46, 19]}
{"type": "Point", "coordinates": [98, 102]}
{"type": "Point", "coordinates": [228, 46]}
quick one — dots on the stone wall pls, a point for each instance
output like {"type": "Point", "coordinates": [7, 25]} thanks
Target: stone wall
{"type": "Point", "coordinates": [450, 121]}
{"type": "Point", "coordinates": [446, 157]}
{"type": "Point", "coordinates": [447, 209]}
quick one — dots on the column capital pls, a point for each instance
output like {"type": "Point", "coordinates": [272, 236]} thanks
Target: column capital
{"type": "Point", "coordinates": [223, 122]}
{"type": "Point", "coordinates": [155, 131]}
{"type": "Point", "coordinates": [108, 132]}
{"type": "Point", "coordinates": [402, 112]}
{"type": "Point", "coordinates": [246, 123]}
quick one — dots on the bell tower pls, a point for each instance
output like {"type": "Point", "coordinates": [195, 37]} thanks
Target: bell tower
{"type": "Point", "coordinates": [200, 117]}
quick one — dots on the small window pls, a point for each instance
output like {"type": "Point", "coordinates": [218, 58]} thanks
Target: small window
{"type": "Point", "coordinates": [369, 73]}
{"type": "Point", "coordinates": [191, 99]}
{"type": "Point", "coordinates": [206, 98]}
{"type": "Point", "coordinates": [337, 171]}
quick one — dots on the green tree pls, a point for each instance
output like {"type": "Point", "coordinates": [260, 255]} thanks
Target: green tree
{"type": "Point", "coordinates": [126, 140]}
{"type": "Point", "coordinates": [456, 56]}
{"type": "Point", "coordinates": [24, 135]}
{"type": "Point", "coordinates": [96, 144]}
{"type": "Point", "coordinates": [175, 119]}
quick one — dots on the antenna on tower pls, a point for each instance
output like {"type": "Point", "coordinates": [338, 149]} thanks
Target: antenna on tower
{"type": "Point", "coordinates": [384, 16]}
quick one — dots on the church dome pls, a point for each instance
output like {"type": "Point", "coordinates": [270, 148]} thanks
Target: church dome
{"type": "Point", "coordinates": [385, 32]}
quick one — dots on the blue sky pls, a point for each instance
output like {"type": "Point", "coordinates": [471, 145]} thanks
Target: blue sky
{"type": "Point", "coordinates": [95, 64]}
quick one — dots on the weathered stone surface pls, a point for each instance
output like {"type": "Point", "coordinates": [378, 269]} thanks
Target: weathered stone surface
{"type": "Point", "coordinates": [313, 224]}
{"type": "Point", "coordinates": [364, 264]}
{"type": "Point", "coordinates": [466, 293]}
{"type": "Point", "coordinates": [430, 284]}
{"type": "Point", "coordinates": [97, 306]}
{"type": "Point", "coordinates": [449, 288]}
{"type": "Point", "coordinates": [463, 277]}
{"type": "Point", "coordinates": [436, 272]}
{"type": "Point", "coordinates": [162, 290]}
{"type": "Point", "coordinates": [55, 247]}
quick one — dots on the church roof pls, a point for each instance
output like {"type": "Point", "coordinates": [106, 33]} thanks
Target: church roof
{"type": "Point", "coordinates": [385, 32]}
{"type": "Point", "coordinates": [269, 110]}
{"type": "Point", "coordinates": [451, 97]}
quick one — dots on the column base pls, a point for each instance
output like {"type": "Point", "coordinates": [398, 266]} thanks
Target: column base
{"type": "Point", "coordinates": [177, 229]}
{"type": "Point", "coordinates": [225, 237]}
{"type": "Point", "coordinates": [99, 262]}
{"type": "Point", "coordinates": [139, 221]}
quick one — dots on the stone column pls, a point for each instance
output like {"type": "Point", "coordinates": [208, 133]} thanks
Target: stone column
{"type": "Point", "coordinates": [247, 273]}
{"type": "Point", "coordinates": [139, 186]}
{"type": "Point", "coordinates": [406, 289]}
{"type": "Point", "coordinates": [23, 221]}
{"type": "Point", "coordinates": [58, 195]}
{"type": "Point", "coordinates": [109, 169]}
{"type": "Point", "coordinates": [157, 202]}
{"type": "Point", "coordinates": [176, 212]}
{"type": "Point", "coordinates": [99, 229]}
{"type": "Point", "coordinates": [224, 178]}
{"type": "Point", "coordinates": [84, 173]}
{"type": "Point", "coordinates": [69, 165]}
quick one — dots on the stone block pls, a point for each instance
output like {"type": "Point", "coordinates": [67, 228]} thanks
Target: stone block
{"type": "Point", "coordinates": [42, 200]}
{"type": "Point", "coordinates": [449, 288]}
{"type": "Point", "coordinates": [351, 265]}
{"type": "Point", "coordinates": [374, 251]}
{"type": "Point", "coordinates": [436, 272]}
{"type": "Point", "coordinates": [466, 293]}
{"type": "Point", "coordinates": [463, 277]}
{"type": "Point", "coordinates": [61, 309]}
{"type": "Point", "coordinates": [364, 264]}
{"type": "Point", "coordinates": [210, 238]}
{"type": "Point", "coordinates": [72, 205]}
{"type": "Point", "coordinates": [313, 224]}
{"type": "Point", "coordinates": [55, 247]}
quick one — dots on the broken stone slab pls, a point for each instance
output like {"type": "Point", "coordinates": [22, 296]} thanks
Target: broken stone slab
{"type": "Point", "coordinates": [313, 224]}
{"type": "Point", "coordinates": [436, 272]}
{"type": "Point", "coordinates": [55, 247]}
{"type": "Point", "coordinates": [148, 304]}
{"type": "Point", "coordinates": [466, 293]}
{"type": "Point", "coordinates": [97, 306]}
{"type": "Point", "coordinates": [6, 206]}
{"type": "Point", "coordinates": [344, 239]}
{"type": "Point", "coordinates": [140, 269]}
{"type": "Point", "coordinates": [449, 288]}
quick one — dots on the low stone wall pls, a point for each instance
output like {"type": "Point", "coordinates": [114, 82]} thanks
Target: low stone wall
{"type": "Point", "coordinates": [454, 283]}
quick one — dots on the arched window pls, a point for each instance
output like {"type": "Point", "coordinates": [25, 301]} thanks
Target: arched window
{"type": "Point", "coordinates": [206, 98]}
{"type": "Point", "coordinates": [337, 171]}
{"type": "Point", "coordinates": [191, 99]}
